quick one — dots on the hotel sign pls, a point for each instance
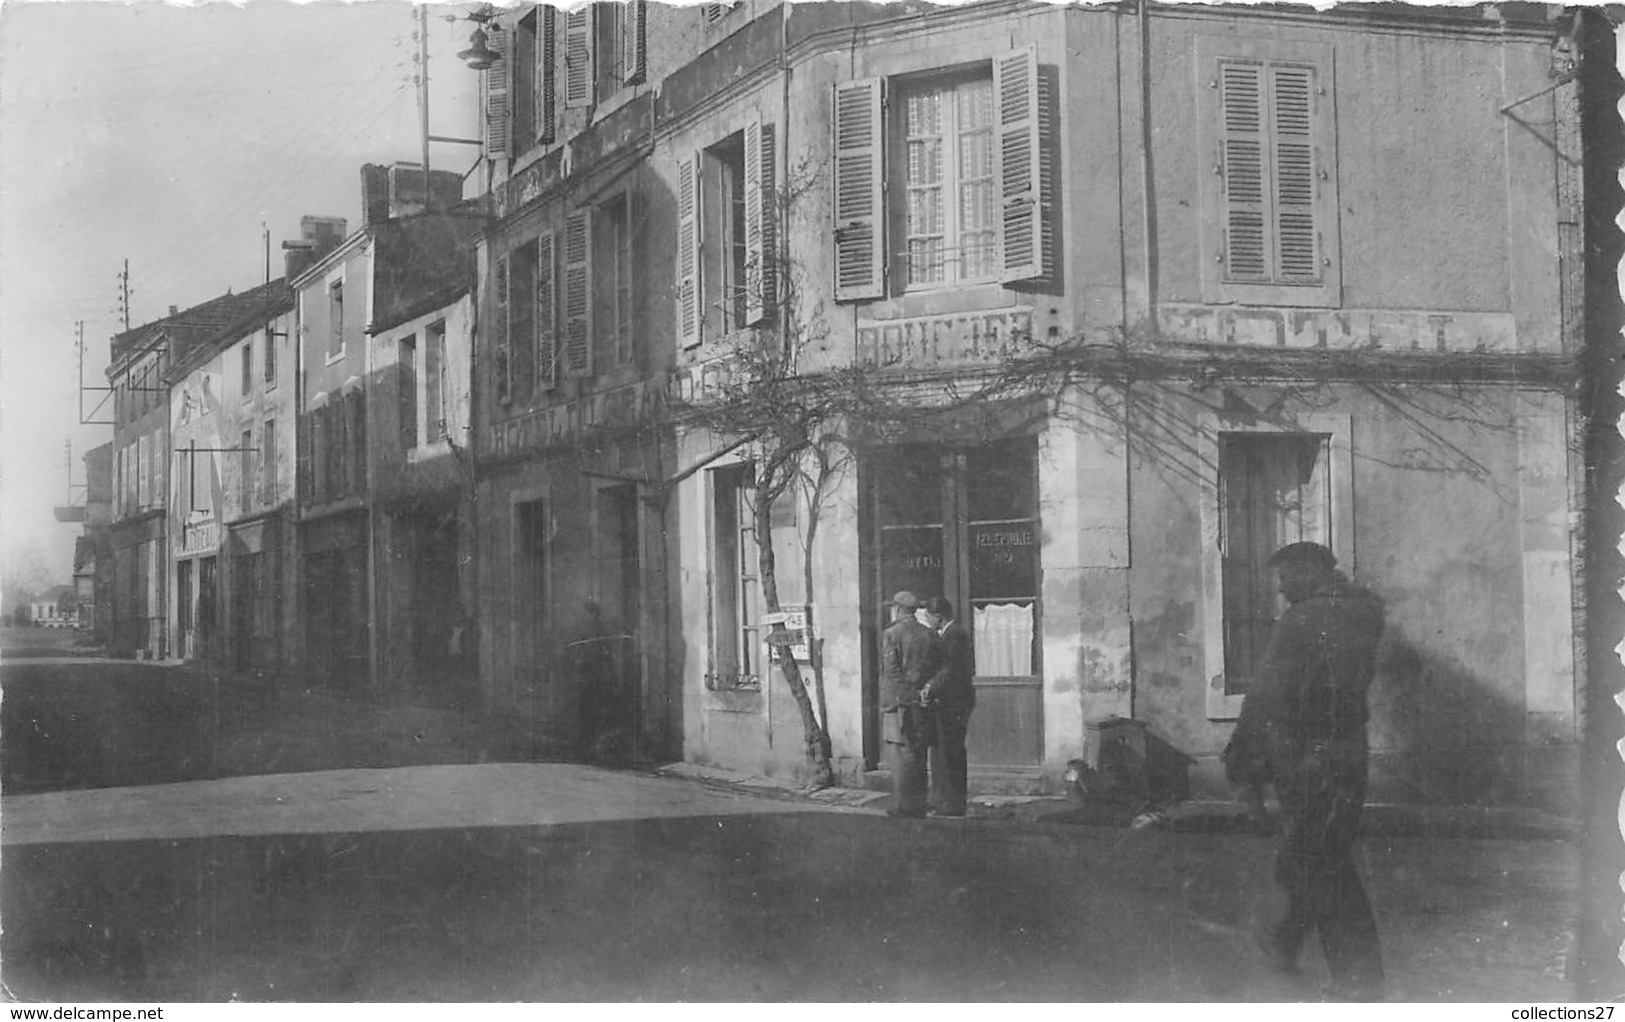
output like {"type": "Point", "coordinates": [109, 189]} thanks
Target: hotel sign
{"type": "Point", "coordinates": [620, 408]}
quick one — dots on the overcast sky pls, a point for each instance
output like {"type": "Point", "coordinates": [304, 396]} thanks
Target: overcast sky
{"type": "Point", "coordinates": [167, 135]}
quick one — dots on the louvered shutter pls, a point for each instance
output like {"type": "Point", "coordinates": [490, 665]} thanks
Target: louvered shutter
{"type": "Point", "coordinates": [859, 219]}
{"type": "Point", "coordinates": [546, 323]}
{"type": "Point", "coordinates": [634, 50]}
{"type": "Point", "coordinates": [547, 114]}
{"type": "Point", "coordinates": [578, 294]}
{"type": "Point", "coordinates": [1017, 120]}
{"type": "Point", "coordinates": [495, 87]}
{"type": "Point", "coordinates": [1247, 255]}
{"type": "Point", "coordinates": [1292, 96]}
{"type": "Point", "coordinates": [688, 251]}
{"type": "Point", "coordinates": [502, 364]}
{"type": "Point", "coordinates": [578, 57]}
{"type": "Point", "coordinates": [760, 216]}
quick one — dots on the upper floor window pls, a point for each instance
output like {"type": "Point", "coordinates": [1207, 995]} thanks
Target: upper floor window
{"type": "Point", "coordinates": [725, 235]}
{"type": "Point", "coordinates": [612, 279]}
{"type": "Point", "coordinates": [974, 154]}
{"type": "Point", "coordinates": [945, 150]}
{"type": "Point", "coordinates": [599, 49]}
{"type": "Point", "coordinates": [436, 383]}
{"type": "Point", "coordinates": [406, 363]}
{"type": "Point", "coordinates": [1269, 205]}
{"type": "Point", "coordinates": [248, 366]}
{"type": "Point", "coordinates": [335, 318]}
{"type": "Point", "coordinates": [270, 358]}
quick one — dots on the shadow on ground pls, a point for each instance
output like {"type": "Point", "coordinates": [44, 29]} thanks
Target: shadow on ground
{"type": "Point", "coordinates": [838, 907]}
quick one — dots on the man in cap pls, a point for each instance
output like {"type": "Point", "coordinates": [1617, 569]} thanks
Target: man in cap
{"type": "Point", "coordinates": [1304, 718]}
{"type": "Point", "coordinates": [910, 654]}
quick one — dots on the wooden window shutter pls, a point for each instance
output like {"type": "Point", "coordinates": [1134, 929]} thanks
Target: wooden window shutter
{"type": "Point", "coordinates": [502, 362]}
{"type": "Point", "coordinates": [688, 251]}
{"type": "Point", "coordinates": [1292, 99]}
{"type": "Point", "coordinates": [578, 57]}
{"type": "Point", "coordinates": [1016, 115]}
{"type": "Point", "coordinates": [495, 86]}
{"type": "Point", "coordinates": [760, 217]}
{"type": "Point", "coordinates": [547, 114]}
{"type": "Point", "coordinates": [1247, 255]}
{"type": "Point", "coordinates": [546, 310]}
{"type": "Point", "coordinates": [859, 212]}
{"type": "Point", "coordinates": [634, 42]}
{"type": "Point", "coordinates": [578, 294]}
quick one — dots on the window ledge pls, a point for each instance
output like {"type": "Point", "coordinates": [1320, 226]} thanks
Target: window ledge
{"type": "Point", "coordinates": [334, 358]}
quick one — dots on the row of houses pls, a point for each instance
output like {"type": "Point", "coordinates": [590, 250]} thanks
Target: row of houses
{"type": "Point", "coordinates": [1221, 278]}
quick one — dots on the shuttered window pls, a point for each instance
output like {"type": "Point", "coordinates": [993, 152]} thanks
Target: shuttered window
{"type": "Point", "coordinates": [1270, 202]}
{"type": "Point", "coordinates": [578, 294]}
{"type": "Point", "coordinates": [971, 157]}
{"type": "Point", "coordinates": [760, 219]}
{"type": "Point", "coordinates": [546, 312]}
{"type": "Point", "coordinates": [688, 258]}
{"type": "Point", "coordinates": [859, 267]}
{"type": "Point", "coordinates": [494, 85]}
{"type": "Point", "coordinates": [634, 57]}
{"type": "Point", "coordinates": [1268, 162]}
{"type": "Point", "coordinates": [547, 77]}
{"type": "Point", "coordinates": [522, 320]}
{"type": "Point", "coordinates": [578, 57]}
{"type": "Point", "coordinates": [502, 360]}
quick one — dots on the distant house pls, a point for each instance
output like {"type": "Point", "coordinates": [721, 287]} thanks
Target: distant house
{"type": "Point", "coordinates": [58, 608]}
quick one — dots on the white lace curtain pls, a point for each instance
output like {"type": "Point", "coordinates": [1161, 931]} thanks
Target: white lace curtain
{"type": "Point", "coordinates": [1004, 639]}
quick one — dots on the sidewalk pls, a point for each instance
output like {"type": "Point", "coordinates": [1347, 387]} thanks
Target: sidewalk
{"type": "Point", "coordinates": [1195, 816]}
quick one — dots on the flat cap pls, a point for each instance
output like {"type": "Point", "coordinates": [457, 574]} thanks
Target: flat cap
{"type": "Point", "coordinates": [1303, 553]}
{"type": "Point", "coordinates": [907, 600]}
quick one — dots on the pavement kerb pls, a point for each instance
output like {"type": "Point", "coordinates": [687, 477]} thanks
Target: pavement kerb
{"type": "Point", "coordinates": [1198, 815]}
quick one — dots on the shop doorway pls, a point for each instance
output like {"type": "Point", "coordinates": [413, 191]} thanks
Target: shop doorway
{"type": "Point", "coordinates": [962, 522]}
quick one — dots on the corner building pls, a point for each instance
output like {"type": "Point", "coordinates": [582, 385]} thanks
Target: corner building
{"type": "Point", "coordinates": [1229, 278]}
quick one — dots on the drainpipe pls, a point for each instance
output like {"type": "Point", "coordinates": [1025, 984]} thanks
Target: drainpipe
{"type": "Point", "coordinates": [1148, 210]}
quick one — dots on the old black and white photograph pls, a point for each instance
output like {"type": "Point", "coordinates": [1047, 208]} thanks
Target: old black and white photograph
{"type": "Point", "coordinates": [869, 502]}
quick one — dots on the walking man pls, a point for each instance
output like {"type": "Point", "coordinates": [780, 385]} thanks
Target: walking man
{"type": "Point", "coordinates": [1305, 717]}
{"type": "Point", "coordinates": [951, 696]}
{"type": "Point", "coordinates": [910, 655]}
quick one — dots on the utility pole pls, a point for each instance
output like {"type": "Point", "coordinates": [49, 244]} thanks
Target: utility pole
{"type": "Point", "coordinates": [124, 295]}
{"type": "Point", "coordinates": [423, 94]}
{"type": "Point", "coordinates": [266, 229]}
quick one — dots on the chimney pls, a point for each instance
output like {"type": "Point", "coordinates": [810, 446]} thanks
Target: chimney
{"type": "Point", "coordinates": [174, 310]}
{"type": "Point", "coordinates": [327, 232]}
{"type": "Point", "coordinates": [374, 193]}
{"type": "Point", "coordinates": [297, 257]}
{"type": "Point", "coordinates": [406, 195]}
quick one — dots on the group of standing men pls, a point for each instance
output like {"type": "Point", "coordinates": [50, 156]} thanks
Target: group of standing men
{"type": "Point", "coordinates": [926, 698]}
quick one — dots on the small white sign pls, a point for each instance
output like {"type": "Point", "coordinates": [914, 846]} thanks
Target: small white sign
{"type": "Point", "coordinates": [795, 620]}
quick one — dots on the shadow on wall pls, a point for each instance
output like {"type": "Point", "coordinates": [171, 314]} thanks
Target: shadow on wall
{"type": "Point", "coordinates": [1440, 735]}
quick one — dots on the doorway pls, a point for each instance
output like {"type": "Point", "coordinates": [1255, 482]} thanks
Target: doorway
{"type": "Point", "coordinates": [962, 522]}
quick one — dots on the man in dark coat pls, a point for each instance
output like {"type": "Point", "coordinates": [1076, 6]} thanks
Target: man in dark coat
{"type": "Point", "coordinates": [910, 654]}
{"type": "Point", "coordinates": [1305, 718]}
{"type": "Point", "coordinates": [951, 696]}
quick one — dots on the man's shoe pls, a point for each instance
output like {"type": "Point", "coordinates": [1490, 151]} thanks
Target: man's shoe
{"type": "Point", "coordinates": [952, 813]}
{"type": "Point", "coordinates": [910, 814]}
{"type": "Point", "coordinates": [1279, 958]}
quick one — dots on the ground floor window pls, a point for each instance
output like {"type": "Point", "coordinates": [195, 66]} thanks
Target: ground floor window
{"type": "Point", "coordinates": [735, 592]}
{"type": "Point", "coordinates": [1273, 490]}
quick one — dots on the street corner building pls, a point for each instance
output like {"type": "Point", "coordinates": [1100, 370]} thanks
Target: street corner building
{"type": "Point", "coordinates": [1219, 278]}
{"type": "Point", "coordinates": [747, 316]}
